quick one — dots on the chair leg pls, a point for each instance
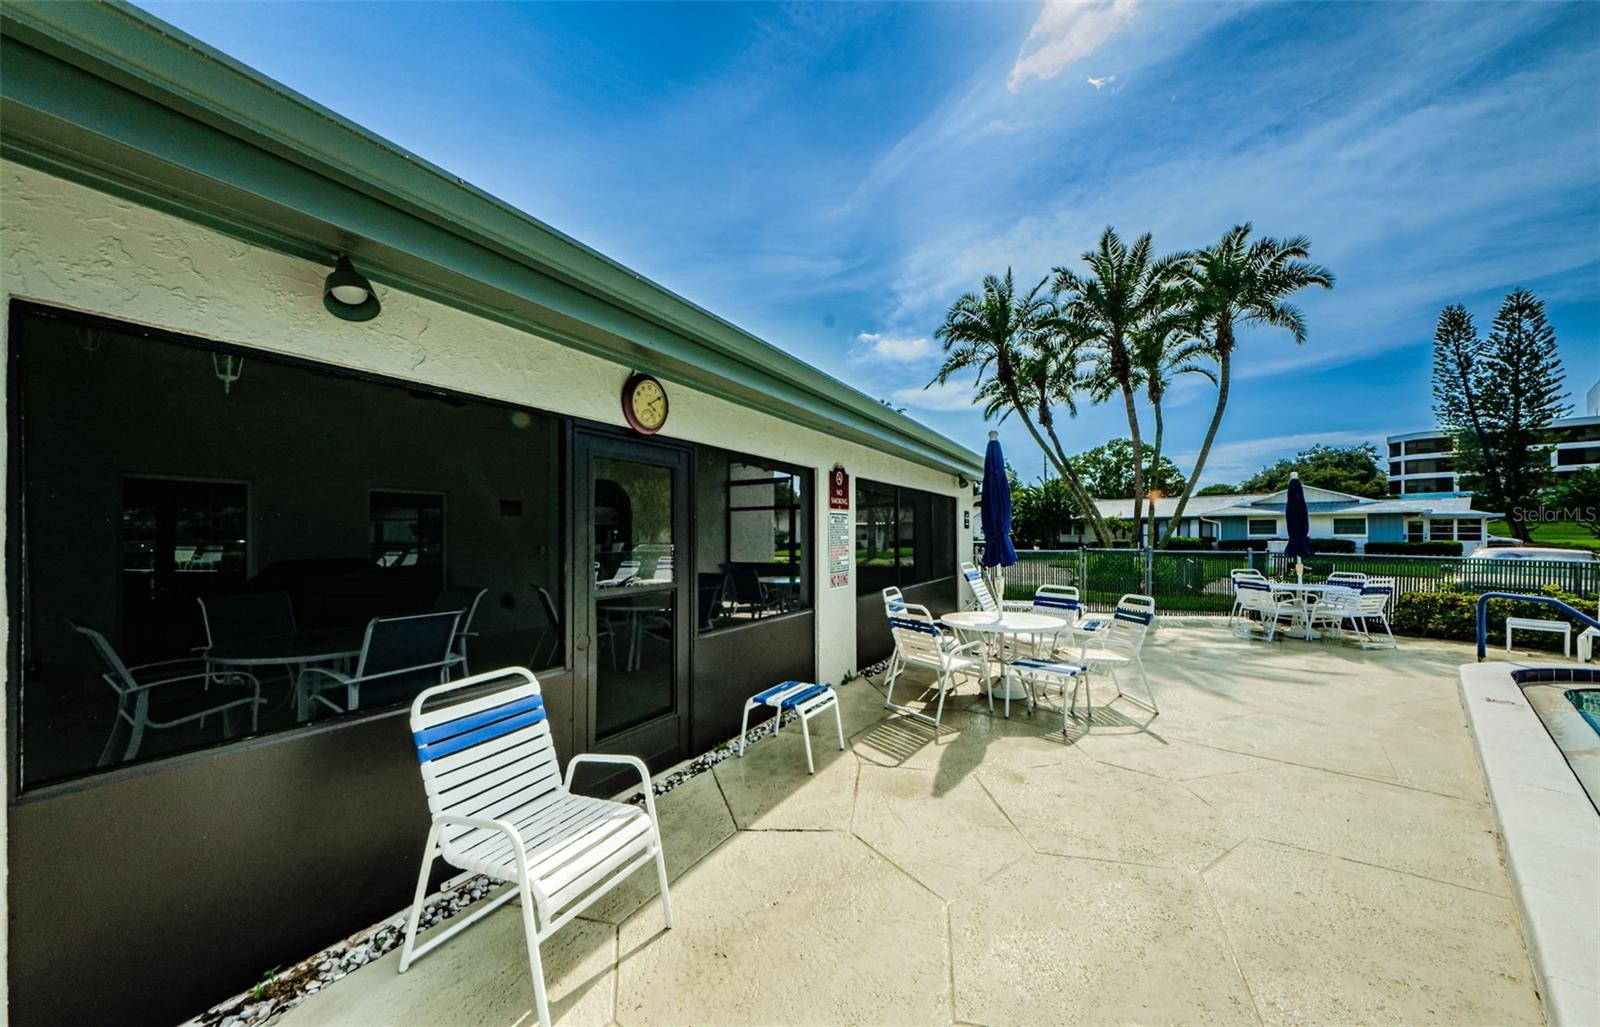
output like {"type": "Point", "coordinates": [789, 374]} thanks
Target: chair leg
{"type": "Point", "coordinates": [838, 722]}
{"type": "Point", "coordinates": [661, 875]}
{"type": "Point", "coordinates": [744, 727]}
{"type": "Point", "coordinates": [805, 733]}
{"type": "Point", "coordinates": [896, 665]}
{"type": "Point", "coordinates": [415, 916]}
{"type": "Point", "coordinates": [111, 739]}
{"type": "Point", "coordinates": [945, 685]}
{"type": "Point", "coordinates": [541, 1004]}
{"type": "Point", "coordinates": [141, 714]}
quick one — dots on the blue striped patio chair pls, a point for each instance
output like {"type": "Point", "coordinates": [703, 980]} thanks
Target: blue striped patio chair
{"type": "Point", "coordinates": [501, 808]}
{"type": "Point", "coordinates": [980, 588]}
{"type": "Point", "coordinates": [1376, 595]}
{"type": "Point", "coordinates": [918, 642]}
{"type": "Point", "coordinates": [1121, 644]}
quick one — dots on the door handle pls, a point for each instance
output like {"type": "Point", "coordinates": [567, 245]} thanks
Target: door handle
{"type": "Point", "coordinates": [581, 643]}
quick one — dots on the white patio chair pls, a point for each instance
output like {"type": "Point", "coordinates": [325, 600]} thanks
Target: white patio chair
{"type": "Point", "coordinates": [141, 708]}
{"type": "Point", "coordinates": [626, 572]}
{"type": "Point", "coordinates": [918, 642]}
{"type": "Point", "coordinates": [1120, 644]}
{"type": "Point", "coordinates": [1376, 596]}
{"type": "Point", "coordinates": [1336, 607]}
{"type": "Point", "coordinates": [246, 615]}
{"type": "Point", "coordinates": [1234, 576]}
{"type": "Point", "coordinates": [501, 808]}
{"type": "Point", "coordinates": [1355, 576]}
{"type": "Point", "coordinates": [399, 655]}
{"type": "Point", "coordinates": [462, 599]}
{"type": "Point", "coordinates": [1270, 603]}
{"type": "Point", "coordinates": [980, 588]}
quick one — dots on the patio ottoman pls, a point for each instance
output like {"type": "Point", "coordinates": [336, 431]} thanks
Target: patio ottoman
{"type": "Point", "coordinates": [805, 698]}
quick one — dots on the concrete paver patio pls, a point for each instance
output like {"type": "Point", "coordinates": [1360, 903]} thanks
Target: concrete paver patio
{"type": "Point", "coordinates": [1301, 837]}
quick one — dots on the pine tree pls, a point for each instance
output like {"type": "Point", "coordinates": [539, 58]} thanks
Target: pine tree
{"type": "Point", "coordinates": [1518, 394]}
{"type": "Point", "coordinates": [1457, 379]}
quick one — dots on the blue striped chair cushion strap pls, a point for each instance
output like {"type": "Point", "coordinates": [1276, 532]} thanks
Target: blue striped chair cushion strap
{"type": "Point", "coordinates": [896, 607]}
{"type": "Point", "coordinates": [1260, 586]}
{"type": "Point", "coordinates": [789, 702]}
{"type": "Point", "coordinates": [970, 575]}
{"type": "Point", "coordinates": [433, 748]}
{"type": "Point", "coordinates": [1376, 590]}
{"type": "Point", "coordinates": [907, 624]}
{"type": "Point", "coordinates": [1046, 665]}
{"type": "Point", "coordinates": [1058, 602]}
{"type": "Point", "coordinates": [1132, 616]}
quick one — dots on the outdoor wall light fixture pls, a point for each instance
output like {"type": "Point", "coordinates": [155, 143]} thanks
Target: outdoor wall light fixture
{"type": "Point", "coordinates": [348, 295]}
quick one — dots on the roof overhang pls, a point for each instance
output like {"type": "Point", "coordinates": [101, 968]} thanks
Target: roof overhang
{"type": "Point", "coordinates": [110, 97]}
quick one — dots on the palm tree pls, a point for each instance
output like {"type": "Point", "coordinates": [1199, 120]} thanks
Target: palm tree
{"type": "Point", "coordinates": [1025, 363]}
{"type": "Point", "coordinates": [1169, 347]}
{"type": "Point", "coordinates": [1125, 293]}
{"type": "Point", "coordinates": [1239, 282]}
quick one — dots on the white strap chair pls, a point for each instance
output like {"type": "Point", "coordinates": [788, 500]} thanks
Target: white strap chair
{"type": "Point", "coordinates": [1271, 604]}
{"type": "Point", "coordinates": [501, 807]}
{"type": "Point", "coordinates": [463, 599]}
{"type": "Point", "coordinates": [980, 588]}
{"type": "Point", "coordinates": [1336, 606]}
{"type": "Point", "coordinates": [918, 642]}
{"type": "Point", "coordinates": [1121, 644]}
{"type": "Point", "coordinates": [1376, 596]}
{"type": "Point", "coordinates": [399, 655]}
{"type": "Point", "coordinates": [1234, 577]}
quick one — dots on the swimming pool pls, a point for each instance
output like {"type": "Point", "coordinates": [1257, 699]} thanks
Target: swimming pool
{"type": "Point", "coordinates": [1587, 700]}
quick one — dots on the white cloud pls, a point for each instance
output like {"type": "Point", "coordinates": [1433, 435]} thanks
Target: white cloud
{"type": "Point", "coordinates": [884, 346]}
{"type": "Point", "coordinates": [1064, 33]}
{"type": "Point", "coordinates": [1103, 80]}
{"type": "Point", "coordinates": [951, 396]}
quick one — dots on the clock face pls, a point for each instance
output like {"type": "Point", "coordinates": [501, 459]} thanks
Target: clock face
{"type": "Point", "coordinates": [645, 403]}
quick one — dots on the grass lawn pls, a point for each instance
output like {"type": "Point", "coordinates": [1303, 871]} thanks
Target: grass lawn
{"type": "Point", "coordinates": [1565, 535]}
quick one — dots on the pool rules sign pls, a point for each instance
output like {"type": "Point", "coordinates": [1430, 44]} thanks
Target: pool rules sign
{"type": "Point", "coordinates": [838, 527]}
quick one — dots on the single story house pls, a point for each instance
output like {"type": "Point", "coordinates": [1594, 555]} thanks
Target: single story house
{"type": "Point", "coordinates": [1333, 515]}
{"type": "Point", "coordinates": [270, 380]}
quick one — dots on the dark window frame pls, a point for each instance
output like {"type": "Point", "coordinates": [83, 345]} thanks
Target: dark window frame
{"type": "Point", "coordinates": [917, 501]}
{"type": "Point", "coordinates": [802, 519]}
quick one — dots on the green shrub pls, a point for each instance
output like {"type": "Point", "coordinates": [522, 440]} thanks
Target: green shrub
{"type": "Point", "coordinates": [1436, 547]}
{"type": "Point", "coordinates": [1187, 542]}
{"type": "Point", "coordinates": [1453, 615]}
{"type": "Point", "coordinates": [1235, 545]}
{"type": "Point", "coordinates": [1333, 545]}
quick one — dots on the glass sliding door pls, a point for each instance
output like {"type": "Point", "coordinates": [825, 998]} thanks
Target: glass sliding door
{"type": "Point", "coordinates": [636, 604]}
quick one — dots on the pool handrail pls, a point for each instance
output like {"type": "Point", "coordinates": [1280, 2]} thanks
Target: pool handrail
{"type": "Point", "coordinates": [1483, 614]}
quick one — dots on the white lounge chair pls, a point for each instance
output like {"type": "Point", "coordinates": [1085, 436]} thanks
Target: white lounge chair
{"type": "Point", "coordinates": [1270, 603]}
{"type": "Point", "coordinates": [918, 642]}
{"type": "Point", "coordinates": [980, 588]}
{"type": "Point", "coordinates": [501, 808]}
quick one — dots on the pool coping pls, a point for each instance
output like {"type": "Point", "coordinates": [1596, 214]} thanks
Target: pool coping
{"type": "Point", "coordinates": [1549, 832]}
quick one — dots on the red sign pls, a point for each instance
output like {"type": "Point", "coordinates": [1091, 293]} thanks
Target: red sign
{"type": "Point", "coordinates": [838, 488]}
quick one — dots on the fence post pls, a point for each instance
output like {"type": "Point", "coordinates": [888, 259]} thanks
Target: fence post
{"type": "Point", "coordinates": [1083, 572]}
{"type": "Point", "coordinates": [1149, 568]}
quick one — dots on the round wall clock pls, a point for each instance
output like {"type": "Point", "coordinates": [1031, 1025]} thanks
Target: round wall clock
{"type": "Point", "coordinates": [644, 404]}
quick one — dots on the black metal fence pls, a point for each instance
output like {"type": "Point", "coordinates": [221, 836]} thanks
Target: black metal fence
{"type": "Point", "coordinates": [1185, 581]}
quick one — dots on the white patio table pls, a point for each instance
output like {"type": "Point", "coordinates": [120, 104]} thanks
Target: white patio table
{"type": "Point", "coordinates": [994, 626]}
{"type": "Point", "coordinates": [1312, 594]}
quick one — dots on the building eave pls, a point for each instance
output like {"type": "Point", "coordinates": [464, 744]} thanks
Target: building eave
{"type": "Point", "coordinates": [111, 97]}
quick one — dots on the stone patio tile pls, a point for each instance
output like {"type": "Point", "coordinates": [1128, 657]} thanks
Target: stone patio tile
{"type": "Point", "coordinates": [1347, 748]}
{"type": "Point", "coordinates": [1322, 940]}
{"type": "Point", "coordinates": [1151, 752]}
{"type": "Point", "coordinates": [1435, 761]}
{"type": "Point", "coordinates": [480, 977]}
{"type": "Point", "coordinates": [789, 927]}
{"type": "Point", "coordinates": [694, 821]}
{"type": "Point", "coordinates": [1104, 812]}
{"type": "Point", "coordinates": [769, 789]}
{"type": "Point", "coordinates": [1065, 941]}
{"type": "Point", "coordinates": [969, 741]}
{"type": "Point", "coordinates": [949, 842]}
{"type": "Point", "coordinates": [1401, 828]}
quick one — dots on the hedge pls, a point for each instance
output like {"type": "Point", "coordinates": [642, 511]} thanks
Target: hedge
{"type": "Point", "coordinates": [1187, 542]}
{"type": "Point", "coordinates": [1453, 615]}
{"type": "Point", "coordinates": [1239, 544]}
{"type": "Point", "coordinates": [1437, 547]}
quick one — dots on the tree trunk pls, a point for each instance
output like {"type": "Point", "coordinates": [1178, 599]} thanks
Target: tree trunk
{"type": "Point", "coordinates": [1138, 465]}
{"type": "Point", "coordinates": [1063, 468]}
{"type": "Point", "coordinates": [1224, 366]}
{"type": "Point", "coordinates": [1155, 471]}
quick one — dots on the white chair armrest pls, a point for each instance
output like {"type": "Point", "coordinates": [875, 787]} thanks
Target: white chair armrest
{"type": "Point", "coordinates": [624, 761]}
{"type": "Point", "coordinates": [198, 676]}
{"type": "Point", "coordinates": [337, 676]}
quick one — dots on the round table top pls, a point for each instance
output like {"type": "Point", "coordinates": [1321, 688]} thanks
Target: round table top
{"type": "Point", "coordinates": [780, 579]}
{"type": "Point", "coordinates": [1320, 586]}
{"type": "Point", "coordinates": [1009, 622]}
{"type": "Point", "coordinates": [301, 647]}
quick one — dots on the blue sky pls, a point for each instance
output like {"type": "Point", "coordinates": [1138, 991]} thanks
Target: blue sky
{"type": "Point", "coordinates": [830, 177]}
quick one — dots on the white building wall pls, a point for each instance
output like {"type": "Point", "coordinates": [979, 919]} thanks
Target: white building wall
{"type": "Point", "coordinates": [69, 246]}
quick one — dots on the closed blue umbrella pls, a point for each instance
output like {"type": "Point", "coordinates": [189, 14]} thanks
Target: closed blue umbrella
{"type": "Point", "coordinates": [1297, 519]}
{"type": "Point", "coordinates": [995, 513]}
